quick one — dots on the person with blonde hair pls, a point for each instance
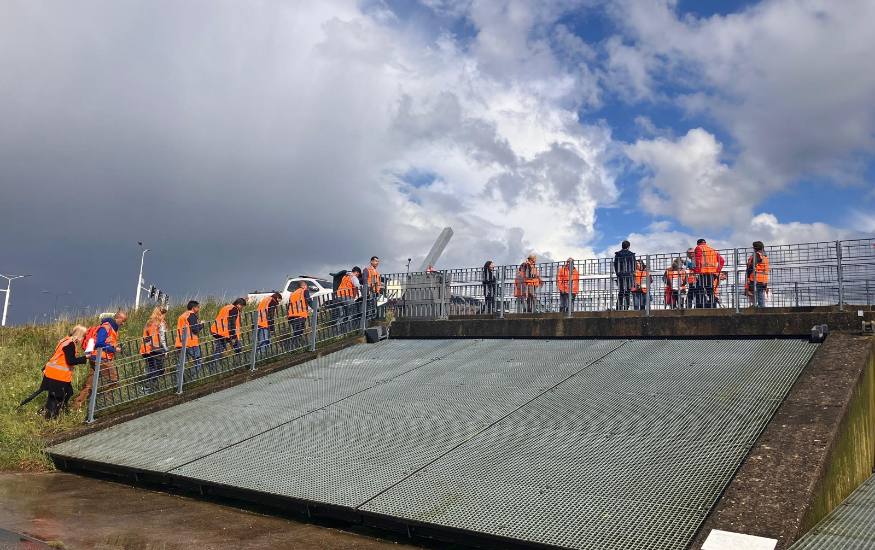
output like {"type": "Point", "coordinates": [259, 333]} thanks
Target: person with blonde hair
{"type": "Point", "coordinates": [58, 372]}
{"type": "Point", "coordinates": [154, 347]}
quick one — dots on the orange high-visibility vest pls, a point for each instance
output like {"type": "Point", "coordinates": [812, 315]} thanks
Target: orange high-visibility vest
{"type": "Point", "coordinates": [640, 280]}
{"type": "Point", "coordinates": [533, 278]}
{"type": "Point", "coordinates": [562, 280]}
{"type": "Point", "coordinates": [373, 280]}
{"type": "Point", "coordinates": [346, 288]}
{"type": "Point", "coordinates": [709, 259]}
{"type": "Point", "coordinates": [220, 327]}
{"type": "Point", "coordinates": [677, 279]}
{"type": "Point", "coordinates": [517, 284]}
{"type": "Point", "coordinates": [151, 341]}
{"type": "Point", "coordinates": [761, 274]}
{"type": "Point", "coordinates": [111, 339]}
{"type": "Point", "coordinates": [297, 304]}
{"type": "Point", "coordinates": [57, 367]}
{"type": "Point", "coordinates": [181, 324]}
{"type": "Point", "coordinates": [262, 311]}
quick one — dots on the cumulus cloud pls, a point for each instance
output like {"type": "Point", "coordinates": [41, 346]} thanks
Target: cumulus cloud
{"type": "Point", "coordinates": [789, 79]}
{"type": "Point", "coordinates": [688, 181]}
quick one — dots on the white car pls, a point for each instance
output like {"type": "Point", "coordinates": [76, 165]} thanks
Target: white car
{"type": "Point", "coordinates": [317, 286]}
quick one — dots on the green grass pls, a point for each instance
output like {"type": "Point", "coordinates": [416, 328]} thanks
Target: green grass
{"type": "Point", "coordinates": [24, 350]}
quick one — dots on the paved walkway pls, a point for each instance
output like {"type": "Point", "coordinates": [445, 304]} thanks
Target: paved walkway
{"type": "Point", "coordinates": [84, 513]}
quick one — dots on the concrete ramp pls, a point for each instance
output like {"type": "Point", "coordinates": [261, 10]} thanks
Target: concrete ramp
{"type": "Point", "coordinates": [601, 444]}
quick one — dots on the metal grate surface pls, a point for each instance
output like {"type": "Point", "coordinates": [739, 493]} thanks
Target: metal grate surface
{"type": "Point", "coordinates": [631, 452]}
{"type": "Point", "coordinates": [851, 526]}
{"type": "Point", "coordinates": [575, 443]}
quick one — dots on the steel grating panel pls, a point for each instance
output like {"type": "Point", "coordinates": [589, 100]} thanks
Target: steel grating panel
{"type": "Point", "coordinates": [631, 452]}
{"type": "Point", "coordinates": [400, 426]}
{"type": "Point", "coordinates": [573, 443]}
{"type": "Point", "coordinates": [851, 526]}
{"type": "Point", "coordinates": [169, 438]}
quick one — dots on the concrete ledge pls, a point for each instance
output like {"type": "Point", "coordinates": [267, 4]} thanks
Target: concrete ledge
{"type": "Point", "coordinates": [819, 446]}
{"type": "Point", "coordinates": [136, 410]}
{"type": "Point", "coordinates": [631, 324]}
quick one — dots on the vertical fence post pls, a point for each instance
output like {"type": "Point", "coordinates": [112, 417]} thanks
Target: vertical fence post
{"type": "Point", "coordinates": [648, 294]}
{"type": "Point", "coordinates": [796, 293]}
{"type": "Point", "coordinates": [735, 276]}
{"type": "Point", "coordinates": [314, 322]}
{"type": "Point", "coordinates": [840, 276]}
{"type": "Point", "coordinates": [255, 341]}
{"type": "Point", "coordinates": [180, 370]}
{"type": "Point", "coordinates": [92, 402]}
{"type": "Point", "coordinates": [611, 303]}
{"type": "Point", "coordinates": [365, 291]}
{"type": "Point", "coordinates": [501, 293]}
{"type": "Point", "coordinates": [868, 300]}
{"type": "Point", "coordinates": [442, 314]}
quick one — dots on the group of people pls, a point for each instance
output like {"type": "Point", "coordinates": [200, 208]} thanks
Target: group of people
{"type": "Point", "coordinates": [102, 340]}
{"type": "Point", "coordinates": [690, 282]}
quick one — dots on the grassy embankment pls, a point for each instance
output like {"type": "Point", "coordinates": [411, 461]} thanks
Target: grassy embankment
{"type": "Point", "coordinates": [24, 351]}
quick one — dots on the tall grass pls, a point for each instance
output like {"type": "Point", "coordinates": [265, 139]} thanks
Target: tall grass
{"type": "Point", "coordinates": [24, 350]}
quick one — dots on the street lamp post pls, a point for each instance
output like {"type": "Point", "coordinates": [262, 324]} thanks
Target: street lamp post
{"type": "Point", "coordinates": [140, 277]}
{"type": "Point", "coordinates": [9, 279]}
{"type": "Point", "coordinates": [56, 295]}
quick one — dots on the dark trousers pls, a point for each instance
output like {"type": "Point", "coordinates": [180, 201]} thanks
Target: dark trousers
{"type": "Point", "coordinates": [296, 328]}
{"type": "Point", "coordinates": [59, 393]}
{"type": "Point", "coordinates": [221, 344]}
{"type": "Point", "coordinates": [705, 290]}
{"type": "Point", "coordinates": [639, 298]}
{"type": "Point", "coordinates": [154, 368]}
{"type": "Point", "coordinates": [565, 302]}
{"type": "Point", "coordinates": [625, 292]}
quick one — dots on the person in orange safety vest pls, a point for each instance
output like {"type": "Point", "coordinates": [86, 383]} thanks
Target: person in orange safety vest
{"type": "Point", "coordinates": [708, 263]}
{"type": "Point", "coordinates": [758, 275]}
{"type": "Point", "coordinates": [58, 373]}
{"type": "Point", "coordinates": [568, 281]}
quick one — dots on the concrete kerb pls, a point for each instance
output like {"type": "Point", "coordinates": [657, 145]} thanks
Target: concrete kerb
{"type": "Point", "coordinates": [240, 377]}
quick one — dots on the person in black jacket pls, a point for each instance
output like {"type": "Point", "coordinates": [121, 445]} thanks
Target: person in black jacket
{"type": "Point", "coordinates": [490, 287]}
{"type": "Point", "coordinates": [58, 373]}
{"type": "Point", "coordinates": [624, 267]}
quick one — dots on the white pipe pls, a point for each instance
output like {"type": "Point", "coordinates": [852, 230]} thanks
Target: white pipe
{"type": "Point", "coordinates": [8, 291]}
{"type": "Point", "coordinates": [139, 280]}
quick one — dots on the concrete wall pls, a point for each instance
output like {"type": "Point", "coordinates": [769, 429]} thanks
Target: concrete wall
{"type": "Point", "coordinates": [627, 324]}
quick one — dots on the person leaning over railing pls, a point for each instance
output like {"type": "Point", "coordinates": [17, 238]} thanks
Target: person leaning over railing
{"type": "Point", "coordinates": [490, 287]}
{"type": "Point", "coordinates": [267, 318]}
{"type": "Point", "coordinates": [226, 329]}
{"type": "Point", "coordinates": [58, 373]}
{"type": "Point", "coordinates": [757, 275]}
{"type": "Point", "coordinates": [709, 263]}
{"type": "Point", "coordinates": [347, 293]}
{"type": "Point", "coordinates": [624, 268]}
{"type": "Point", "coordinates": [568, 282]}
{"type": "Point", "coordinates": [105, 343]}
{"type": "Point", "coordinates": [299, 309]}
{"type": "Point", "coordinates": [189, 324]}
{"type": "Point", "coordinates": [154, 347]}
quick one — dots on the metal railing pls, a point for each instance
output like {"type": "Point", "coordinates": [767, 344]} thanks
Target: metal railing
{"type": "Point", "coordinates": [130, 375]}
{"type": "Point", "coordinates": [800, 275]}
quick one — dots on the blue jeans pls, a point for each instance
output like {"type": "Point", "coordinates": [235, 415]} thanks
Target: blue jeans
{"type": "Point", "coordinates": [263, 338]}
{"type": "Point", "coordinates": [222, 343]}
{"type": "Point", "coordinates": [759, 298]}
{"type": "Point", "coordinates": [195, 354]}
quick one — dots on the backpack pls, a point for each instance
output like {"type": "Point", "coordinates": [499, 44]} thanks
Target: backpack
{"type": "Point", "coordinates": [90, 334]}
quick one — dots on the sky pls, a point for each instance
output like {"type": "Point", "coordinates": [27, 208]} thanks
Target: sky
{"type": "Point", "coordinates": [242, 142]}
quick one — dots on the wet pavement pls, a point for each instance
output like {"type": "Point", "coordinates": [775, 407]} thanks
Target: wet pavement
{"type": "Point", "coordinates": [86, 513]}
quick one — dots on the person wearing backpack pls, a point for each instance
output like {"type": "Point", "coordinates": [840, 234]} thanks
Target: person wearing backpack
{"type": "Point", "coordinates": [105, 342]}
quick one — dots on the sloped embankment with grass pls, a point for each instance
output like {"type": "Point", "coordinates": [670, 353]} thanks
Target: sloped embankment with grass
{"type": "Point", "coordinates": [24, 351]}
